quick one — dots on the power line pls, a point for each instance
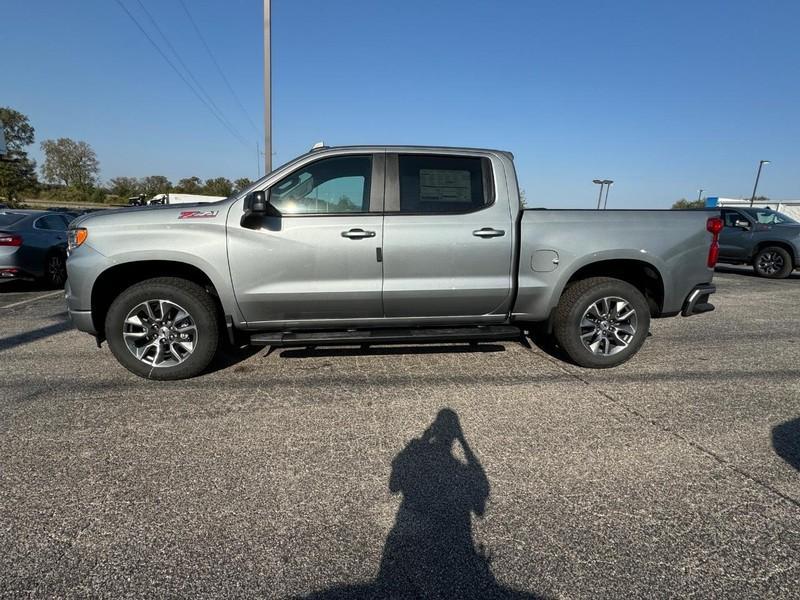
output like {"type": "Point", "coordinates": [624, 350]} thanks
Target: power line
{"type": "Point", "coordinates": [181, 75]}
{"type": "Point", "coordinates": [219, 69]}
{"type": "Point", "coordinates": [188, 71]}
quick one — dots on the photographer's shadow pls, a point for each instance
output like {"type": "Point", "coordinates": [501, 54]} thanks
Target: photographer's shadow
{"type": "Point", "coordinates": [430, 552]}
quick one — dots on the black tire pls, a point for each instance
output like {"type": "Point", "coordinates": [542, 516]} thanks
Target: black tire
{"type": "Point", "coordinates": [577, 299]}
{"type": "Point", "coordinates": [55, 269]}
{"type": "Point", "coordinates": [193, 298]}
{"type": "Point", "coordinates": [773, 262]}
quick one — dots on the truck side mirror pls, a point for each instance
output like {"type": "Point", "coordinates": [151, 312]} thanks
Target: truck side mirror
{"type": "Point", "coordinates": [741, 224]}
{"type": "Point", "coordinates": [255, 203]}
{"type": "Point", "coordinates": [256, 206]}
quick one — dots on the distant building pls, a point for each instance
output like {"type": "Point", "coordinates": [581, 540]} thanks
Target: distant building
{"type": "Point", "coordinates": [788, 207]}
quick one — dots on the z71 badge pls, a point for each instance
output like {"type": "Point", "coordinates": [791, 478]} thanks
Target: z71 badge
{"type": "Point", "coordinates": [198, 214]}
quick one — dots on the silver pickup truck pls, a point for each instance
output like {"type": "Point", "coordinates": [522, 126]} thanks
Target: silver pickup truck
{"type": "Point", "coordinates": [379, 245]}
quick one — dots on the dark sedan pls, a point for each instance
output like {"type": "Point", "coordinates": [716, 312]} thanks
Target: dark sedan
{"type": "Point", "coordinates": [33, 245]}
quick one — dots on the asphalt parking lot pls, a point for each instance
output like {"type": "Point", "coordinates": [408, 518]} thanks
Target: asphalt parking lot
{"type": "Point", "coordinates": [300, 473]}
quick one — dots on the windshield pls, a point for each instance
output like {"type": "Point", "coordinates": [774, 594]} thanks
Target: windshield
{"type": "Point", "coordinates": [767, 216]}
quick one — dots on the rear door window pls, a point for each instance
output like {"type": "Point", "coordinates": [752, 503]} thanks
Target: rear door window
{"type": "Point", "coordinates": [52, 222]}
{"type": "Point", "coordinates": [443, 184]}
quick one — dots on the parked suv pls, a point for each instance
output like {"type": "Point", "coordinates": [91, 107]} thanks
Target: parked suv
{"type": "Point", "coordinates": [764, 238]}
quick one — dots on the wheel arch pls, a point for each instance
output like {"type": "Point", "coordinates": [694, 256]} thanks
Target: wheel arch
{"type": "Point", "coordinates": [644, 276]}
{"type": "Point", "coordinates": [114, 280]}
{"type": "Point", "coordinates": [793, 254]}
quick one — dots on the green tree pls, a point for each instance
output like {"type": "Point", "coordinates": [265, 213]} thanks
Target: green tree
{"type": "Point", "coordinates": [219, 186]}
{"type": "Point", "coordinates": [190, 185]}
{"type": "Point", "coordinates": [344, 204]}
{"type": "Point", "coordinates": [17, 171]}
{"type": "Point", "coordinates": [242, 183]}
{"type": "Point", "coordinates": [683, 203]}
{"type": "Point", "coordinates": [124, 187]}
{"type": "Point", "coordinates": [69, 162]}
{"type": "Point", "coordinates": [154, 184]}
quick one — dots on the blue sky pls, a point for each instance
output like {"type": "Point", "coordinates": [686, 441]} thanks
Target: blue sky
{"type": "Point", "coordinates": [662, 97]}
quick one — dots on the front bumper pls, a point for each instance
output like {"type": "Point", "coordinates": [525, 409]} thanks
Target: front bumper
{"type": "Point", "coordinates": [81, 319]}
{"type": "Point", "coordinates": [696, 302]}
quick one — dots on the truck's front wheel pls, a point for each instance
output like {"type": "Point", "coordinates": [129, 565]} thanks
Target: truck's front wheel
{"type": "Point", "coordinates": [601, 322]}
{"type": "Point", "coordinates": [163, 328]}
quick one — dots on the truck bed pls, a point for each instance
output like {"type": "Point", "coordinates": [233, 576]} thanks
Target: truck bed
{"type": "Point", "coordinates": [555, 244]}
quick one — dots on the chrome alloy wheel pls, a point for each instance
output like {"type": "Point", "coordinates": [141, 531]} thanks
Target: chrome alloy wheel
{"type": "Point", "coordinates": [770, 263]}
{"type": "Point", "coordinates": [608, 325]}
{"type": "Point", "coordinates": [160, 333]}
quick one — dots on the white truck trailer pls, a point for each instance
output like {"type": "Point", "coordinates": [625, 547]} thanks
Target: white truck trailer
{"type": "Point", "coordinates": [172, 198]}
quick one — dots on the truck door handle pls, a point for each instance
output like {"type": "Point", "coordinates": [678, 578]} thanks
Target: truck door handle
{"type": "Point", "coordinates": [488, 232]}
{"type": "Point", "coordinates": [357, 234]}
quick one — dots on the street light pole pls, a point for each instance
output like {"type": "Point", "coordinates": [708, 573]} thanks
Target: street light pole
{"type": "Point", "coordinates": [761, 163]}
{"type": "Point", "coordinates": [267, 86]}
{"type": "Point", "coordinates": [699, 194]}
{"type": "Point", "coordinates": [608, 183]}
{"type": "Point", "coordinates": [600, 197]}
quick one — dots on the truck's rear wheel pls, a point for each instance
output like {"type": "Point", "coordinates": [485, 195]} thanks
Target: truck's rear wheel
{"type": "Point", "coordinates": [773, 262]}
{"type": "Point", "coordinates": [601, 322]}
{"type": "Point", "coordinates": [163, 328]}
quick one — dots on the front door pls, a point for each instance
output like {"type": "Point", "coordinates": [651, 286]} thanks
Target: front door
{"type": "Point", "coordinates": [735, 241]}
{"type": "Point", "coordinates": [319, 259]}
{"type": "Point", "coordinates": [447, 245]}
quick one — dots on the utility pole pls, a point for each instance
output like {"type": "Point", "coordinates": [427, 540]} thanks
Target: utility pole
{"type": "Point", "coordinates": [602, 182]}
{"type": "Point", "coordinates": [267, 86]}
{"type": "Point", "coordinates": [608, 183]}
{"type": "Point", "coordinates": [699, 195]}
{"type": "Point", "coordinates": [761, 163]}
{"type": "Point", "coordinates": [600, 197]}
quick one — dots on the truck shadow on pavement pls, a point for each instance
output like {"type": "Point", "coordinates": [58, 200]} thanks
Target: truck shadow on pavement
{"type": "Point", "coordinates": [430, 551]}
{"type": "Point", "coordinates": [26, 337]}
{"type": "Point", "coordinates": [748, 272]}
{"type": "Point", "coordinates": [786, 441]}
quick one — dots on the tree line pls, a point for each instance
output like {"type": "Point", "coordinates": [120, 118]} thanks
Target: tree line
{"type": "Point", "coordinates": [70, 172]}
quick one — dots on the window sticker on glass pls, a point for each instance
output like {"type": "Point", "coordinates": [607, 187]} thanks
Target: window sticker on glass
{"type": "Point", "coordinates": [440, 185]}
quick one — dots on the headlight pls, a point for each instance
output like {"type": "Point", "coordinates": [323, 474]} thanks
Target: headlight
{"type": "Point", "coordinates": [75, 237]}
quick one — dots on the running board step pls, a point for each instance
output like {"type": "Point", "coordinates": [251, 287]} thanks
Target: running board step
{"type": "Point", "coordinates": [493, 333]}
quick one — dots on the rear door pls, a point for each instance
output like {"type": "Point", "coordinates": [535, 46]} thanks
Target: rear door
{"type": "Point", "coordinates": [318, 260]}
{"type": "Point", "coordinates": [447, 242]}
